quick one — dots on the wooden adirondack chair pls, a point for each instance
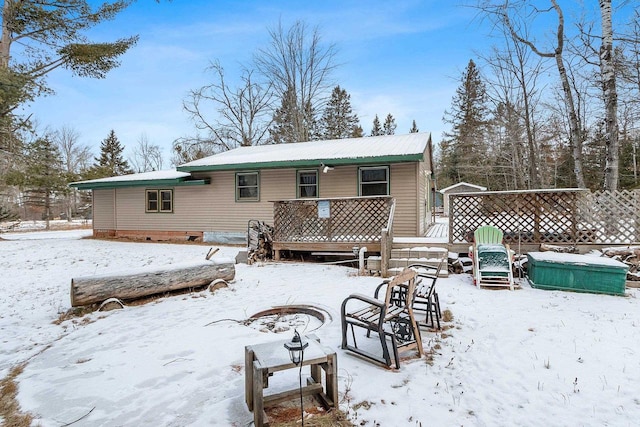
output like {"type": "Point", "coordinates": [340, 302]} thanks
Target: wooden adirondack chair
{"type": "Point", "coordinates": [491, 258]}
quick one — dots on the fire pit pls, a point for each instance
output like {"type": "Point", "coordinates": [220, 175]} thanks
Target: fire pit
{"type": "Point", "coordinates": [285, 318]}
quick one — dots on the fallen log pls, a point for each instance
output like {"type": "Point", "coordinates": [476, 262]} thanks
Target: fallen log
{"type": "Point", "coordinates": [135, 284]}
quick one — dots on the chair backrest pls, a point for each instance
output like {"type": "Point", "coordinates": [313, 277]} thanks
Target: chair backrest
{"type": "Point", "coordinates": [428, 275]}
{"type": "Point", "coordinates": [404, 285]}
{"type": "Point", "coordinates": [487, 234]}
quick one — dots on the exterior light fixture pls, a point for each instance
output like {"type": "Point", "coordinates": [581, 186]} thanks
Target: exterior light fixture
{"type": "Point", "coordinates": [296, 348]}
{"type": "Point", "coordinates": [325, 168]}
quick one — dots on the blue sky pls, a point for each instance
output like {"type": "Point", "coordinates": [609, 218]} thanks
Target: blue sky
{"type": "Point", "coordinates": [400, 57]}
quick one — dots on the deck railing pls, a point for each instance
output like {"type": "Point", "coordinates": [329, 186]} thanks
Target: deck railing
{"type": "Point", "coordinates": [561, 216]}
{"type": "Point", "coordinates": [335, 224]}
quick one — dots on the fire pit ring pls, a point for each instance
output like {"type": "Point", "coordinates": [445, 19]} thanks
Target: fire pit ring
{"type": "Point", "coordinates": [284, 318]}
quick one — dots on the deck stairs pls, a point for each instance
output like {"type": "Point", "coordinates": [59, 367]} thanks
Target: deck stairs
{"type": "Point", "coordinates": [407, 251]}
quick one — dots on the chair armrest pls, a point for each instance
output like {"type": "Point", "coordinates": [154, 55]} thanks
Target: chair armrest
{"type": "Point", "coordinates": [379, 287]}
{"type": "Point", "coordinates": [363, 298]}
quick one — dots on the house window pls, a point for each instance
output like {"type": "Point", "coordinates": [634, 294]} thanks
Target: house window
{"type": "Point", "coordinates": [247, 186]}
{"type": "Point", "coordinates": [307, 183]}
{"type": "Point", "coordinates": [160, 201]}
{"type": "Point", "coordinates": [374, 181]}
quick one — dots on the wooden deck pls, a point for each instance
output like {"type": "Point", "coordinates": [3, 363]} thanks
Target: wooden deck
{"type": "Point", "coordinates": [438, 230]}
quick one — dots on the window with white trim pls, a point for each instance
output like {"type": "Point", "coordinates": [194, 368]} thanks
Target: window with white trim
{"type": "Point", "coordinates": [374, 181]}
{"type": "Point", "coordinates": [307, 184]}
{"type": "Point", "coordinates": [159, 201]}
{"type": "Point", "coordinates": [247, 186]}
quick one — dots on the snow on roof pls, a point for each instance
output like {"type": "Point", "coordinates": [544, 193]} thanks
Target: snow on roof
{"type": "Point", "coordinates": [349, 148]}
{"type": "Point", "coordinates": [556, 257]}
{"type": "Point", "coordinates": [466, 184]}
{"type": "Point", "coordinates": [145, 176]}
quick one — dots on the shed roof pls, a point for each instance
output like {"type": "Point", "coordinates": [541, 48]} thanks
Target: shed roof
{"type": "Point", "coordinates": [369, 150]}
{"type": "Point", "coordinates": [463, 184]}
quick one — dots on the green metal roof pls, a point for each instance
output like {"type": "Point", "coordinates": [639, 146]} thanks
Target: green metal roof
{"type": "Point", "coordinates": [307, 163]}
{"type": "Point", "coordinates": [173, 182]}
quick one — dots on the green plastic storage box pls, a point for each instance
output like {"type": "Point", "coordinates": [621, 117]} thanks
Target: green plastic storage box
{"type": "Point", "coordinates": [579, 273]}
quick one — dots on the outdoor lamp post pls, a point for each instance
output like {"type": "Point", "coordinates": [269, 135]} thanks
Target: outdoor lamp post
{"type": "Point", "coordinates": [296, 347]}
{"type": "Point", "coordinates": [296, 353]}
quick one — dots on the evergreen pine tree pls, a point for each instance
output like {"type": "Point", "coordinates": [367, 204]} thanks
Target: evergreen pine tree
{"type": "Point", "coordinates": [357, 132]}
{"type": "Point", "coordinates": [376, 129]}
{"type": "Point", "coordinates": [111, 162]}
{"type": "Point", "coordinates": [339, 121]}
{"type": "Point", "coordinates": [289, 121]}
{"type": "Point", "coordinates": [389, 127]}
{"type": "Point", "coordinates": [281, 130]}
{"type": "Point", "coordinates": [464, 149]}
{"type": "Point", "coordinates": [43, 176]}
{"type": "Point", "coordinates": [414, 128]}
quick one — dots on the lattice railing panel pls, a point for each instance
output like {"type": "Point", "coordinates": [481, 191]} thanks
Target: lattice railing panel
{"type": "Point", "coordinates": [608, 217]}
{"type": "Point", "coordinates": [524, 217]}
{"type": "Point", "coordinates": [351, 220]}
{"type": "Point", "coordinates": [546, 216]}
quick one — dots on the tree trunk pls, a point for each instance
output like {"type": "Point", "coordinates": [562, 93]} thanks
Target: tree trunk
{"type": "Point", "coordinates": [136, 284]}
{"type": "Point", "coordinates": [607, 73]}
{"type": "Point", "coordinates": [5, 38]}
{"type": "Point", "coordinates": [575, 127]}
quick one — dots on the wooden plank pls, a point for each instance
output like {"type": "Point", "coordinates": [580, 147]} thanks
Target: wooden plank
{"type": "Point", "coordinates": [258, 398]}
{"type": "Point", "coordinates": [248, 377]}
{"type": "Point", "coordinates": [346, 253]}
{"type": "Point", "coordinates": [324, 246]}
{"type": "Point", "coordinates": [308, 390]}
{"type": "Point", "coordinates": [331, 378]}
{"type": "Point", "coordinates": [632, 284]}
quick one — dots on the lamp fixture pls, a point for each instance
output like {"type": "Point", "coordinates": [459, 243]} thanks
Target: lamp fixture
{"type": "Point", "coordinates": [326, 168]}
{"type": "Point", "coordinates": [296, 348]}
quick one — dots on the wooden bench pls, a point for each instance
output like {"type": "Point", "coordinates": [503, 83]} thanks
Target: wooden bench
{"type": "Point", "coordinates": [391, 319]}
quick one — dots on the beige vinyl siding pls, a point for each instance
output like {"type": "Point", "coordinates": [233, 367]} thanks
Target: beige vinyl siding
{"type": "Point", "coordinates": [232, 216]}
{"type": "Point", "coordinates": [424, 192]}
{"type": "Point", "coordinates": [404, 189]}
{"type": "Point", "coordinates": [342, 181]}
{"type": "Point", "coordinates": [104, 205]}
{"type": "Point", "coordinates": [191, 210]}
{"type": "Point", "coordinates": [213, 207]}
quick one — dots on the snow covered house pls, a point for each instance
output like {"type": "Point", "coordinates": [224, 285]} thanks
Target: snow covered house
{"type": "Point", "coordinates": [214, 198]}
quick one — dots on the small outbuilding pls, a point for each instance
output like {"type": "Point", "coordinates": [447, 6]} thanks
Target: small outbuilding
{"type": "Point", "coordinates": [461, 187]}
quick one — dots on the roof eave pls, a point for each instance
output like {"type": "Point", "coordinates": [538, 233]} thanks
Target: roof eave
{"type": "Point", "coordinates": [305, 163]}
{"type": "Point", "coordinates": [174, 182]}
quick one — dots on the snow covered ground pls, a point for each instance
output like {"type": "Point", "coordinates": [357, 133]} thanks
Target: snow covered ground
{"type": "Point", "coordinates": [528, 357]}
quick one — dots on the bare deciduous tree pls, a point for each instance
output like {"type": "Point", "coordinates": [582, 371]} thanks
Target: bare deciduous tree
{"type": "Point", "coordinates": [514, 90]}
{"type": "Point", "coordinates": [146, 157]}
{"type": "Point", "coordinates": [607, 72]}
{"type": "Point", "coordinates": [242, 115]}
{"type": "Point", "coordinates": [512, 14]}
{"type": "Point", "coordinates": [76, 158]}
{"type": "Point", "coordinates": [299, 68]}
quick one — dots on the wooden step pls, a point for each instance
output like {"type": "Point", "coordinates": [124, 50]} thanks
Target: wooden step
{"type": "Point", "coordinates": [430, 252]}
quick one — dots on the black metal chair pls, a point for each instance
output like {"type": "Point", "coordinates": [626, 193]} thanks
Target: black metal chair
{"type": "Point", "coordinates": [427, 299]}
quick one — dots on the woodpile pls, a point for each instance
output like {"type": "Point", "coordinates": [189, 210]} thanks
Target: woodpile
{"type": "Point", "coordinates": [630, 256]}
{"type": "Point", "coordinates": [545, 247]}
{"type": "Point", "coordinates": [260, 241]}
